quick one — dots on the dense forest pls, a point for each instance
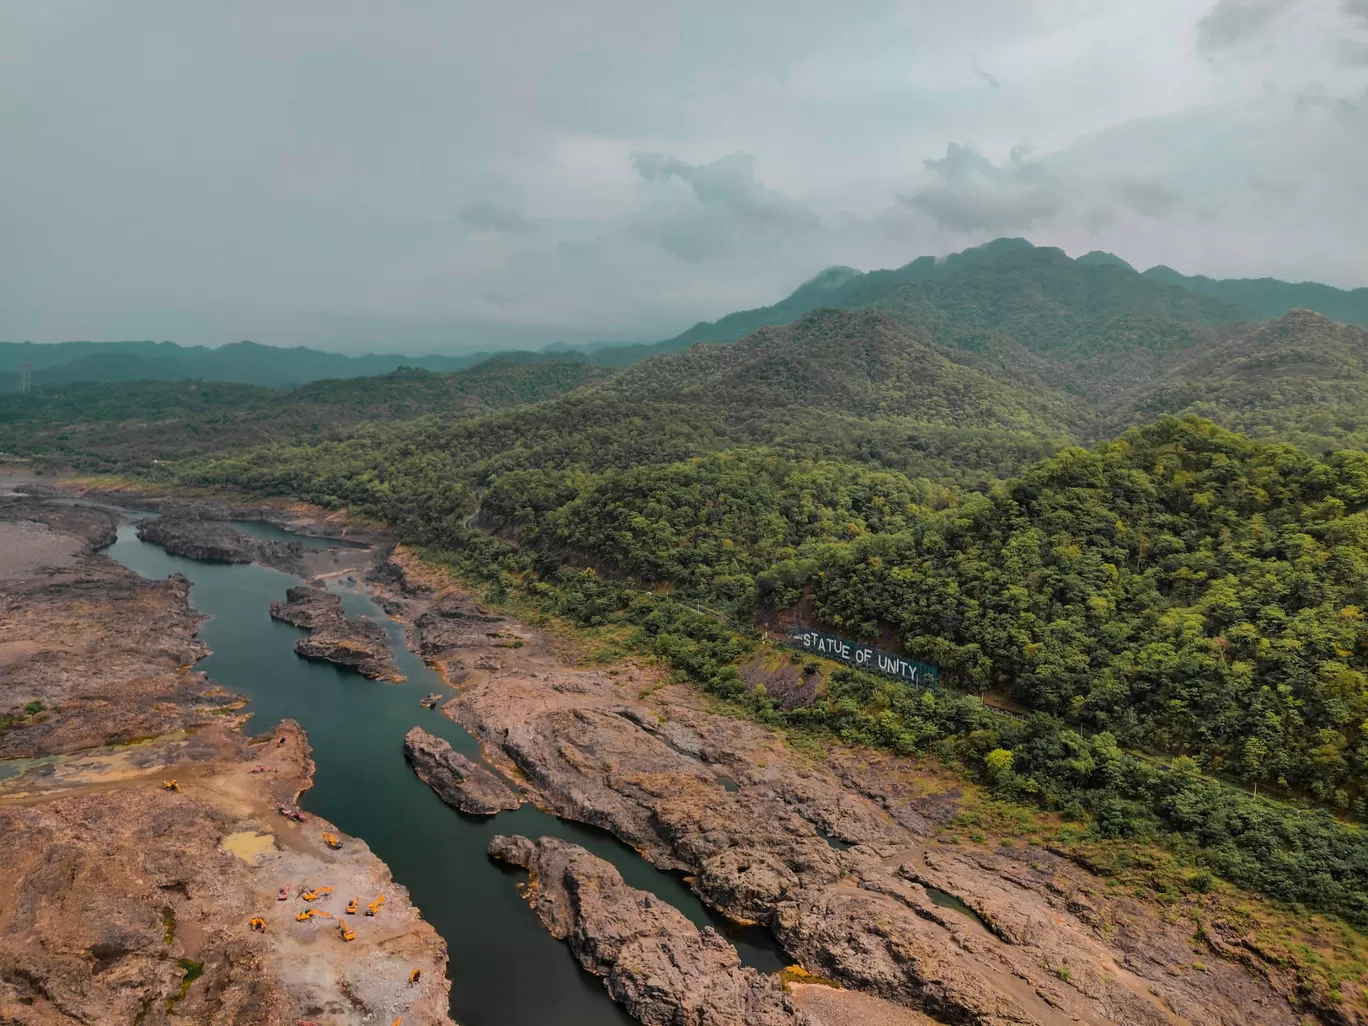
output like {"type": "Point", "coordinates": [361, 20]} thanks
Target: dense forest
{"type": "Point", "coordinates": [66, 363]}
{"type": "Point", "coordinates": [1079, 489]}
{"type": "Point", "coordinates": [135, 426]}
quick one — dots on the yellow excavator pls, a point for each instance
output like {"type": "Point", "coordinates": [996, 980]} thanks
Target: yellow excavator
{"type": "Point", "coordinates": [170, 785]}
{"type": "Point", "coordinates": [257, 923]}
{"type": "Point", "coordinates": [415, 976]}
{"type": "Point", "coordinates": [374, 906]}
{"type": "Point", "coordinates": [331, 841]}
{"type": "Point", "coordinates": [309, 913]}
{"type": "Point", "coordinates": [314, 895]}
{"type": "Point", "coordinates": [345, 931]}
{"type": "Point", "coordinates": [353, 905]}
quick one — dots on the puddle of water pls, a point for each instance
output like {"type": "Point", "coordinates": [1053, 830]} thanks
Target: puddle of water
{"type": "Point", "coordinates": [364, 785]}
{"type": "Point", "coordinates": [248, 845]}
{"type": "Point", "coordinates": [837, 843]}
{"type": "Point", "coordinates": [945, 899]}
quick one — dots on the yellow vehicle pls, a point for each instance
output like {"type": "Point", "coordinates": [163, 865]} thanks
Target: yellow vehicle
{"type": "Point", "coordinates": [257, 923]}
{"type": "Point", "coordinates": [314, 895]}
{"type": "Point", "coordinates": [374, 906]}
{"type": "Point", "coordinates": [353, 905]}
{"type": "Point", "coordinates": [170, 785]}
{"type": "Point", "coordinates": [415, 976]}
{"type": "Point", "coordinates": [331, 841]}
{"type": "Point", "coordinates": [345, 931]}
{"type": "Point", "coordinates": [309, 913]}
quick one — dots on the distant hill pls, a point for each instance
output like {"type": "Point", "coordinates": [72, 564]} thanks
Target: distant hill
{"type": "Point", "coordinates": [1265, 298]}
{"type": "Point", "coordinates": [248, 363]}
{"type": "Point", "coordinates": [1301, 378]}
{"type": "Point", "coordinates": [1093, 325]}
{"type": "Point", "coordinates": [860, 363]}
{"type": "Point", "coordinates": [144, 421]}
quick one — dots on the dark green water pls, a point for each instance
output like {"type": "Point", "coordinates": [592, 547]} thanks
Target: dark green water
{"type": "Point", "coordinates": [505, 968]}
{"type": "Point", "coordinates": [273, 532]}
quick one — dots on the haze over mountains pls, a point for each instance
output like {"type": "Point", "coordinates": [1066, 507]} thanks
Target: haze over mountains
{"type": "Point", "coordinates": [1003, 300]}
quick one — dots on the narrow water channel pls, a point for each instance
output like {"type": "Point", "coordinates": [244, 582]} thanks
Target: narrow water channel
{"type": "Point", "coordinates": [506, 970]}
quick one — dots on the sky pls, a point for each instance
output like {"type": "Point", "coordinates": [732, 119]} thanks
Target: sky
{"type": "Point", "coordinates": [434, 175]}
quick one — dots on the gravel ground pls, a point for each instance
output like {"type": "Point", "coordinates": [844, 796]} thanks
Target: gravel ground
{"type": "Point", "coordinates": [27, 546]}
{"type": "Point", "coordinates": [832, 1007]}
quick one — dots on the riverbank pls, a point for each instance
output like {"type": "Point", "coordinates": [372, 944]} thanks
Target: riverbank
{"type": "Point", "coordinates": [854, 860]}
{"type": "Point", "coordinates": [849, 858]}
{"type": "Point", "coordinates": [130, 902]}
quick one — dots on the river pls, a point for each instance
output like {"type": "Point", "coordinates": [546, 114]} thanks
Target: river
{"type": "Point", "coordinates": [505, 969]}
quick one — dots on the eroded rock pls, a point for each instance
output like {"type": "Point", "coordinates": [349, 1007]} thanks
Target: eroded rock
{"type": "Point", "coordinates": [213, 542]}
{"type": "Point", "coordinates": [460, 782]}
{"type": "Point", "coordinates": [361, 645]}
{"type": "Point", "coordinates": [656, 963]}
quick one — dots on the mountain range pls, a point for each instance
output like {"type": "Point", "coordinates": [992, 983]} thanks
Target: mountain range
{"type": "Point", "coordinates": [248, 363]}
{"type": "Point", "coordinates": [1092, 325]}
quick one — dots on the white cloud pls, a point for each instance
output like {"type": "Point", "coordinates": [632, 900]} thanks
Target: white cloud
{"type": "Point", "coordinates": [378, 172]}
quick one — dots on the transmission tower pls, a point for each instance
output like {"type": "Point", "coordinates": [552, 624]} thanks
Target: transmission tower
{"type": "Point", "coordinates": [25, 374]}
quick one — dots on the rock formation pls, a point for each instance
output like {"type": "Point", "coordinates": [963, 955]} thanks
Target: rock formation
{"type": "Point", "coordinates": [361, 645]}
{"type": "Point", "coordinates": [661, 967]}
{"type": "Point", "coordinates": [127, 902]}
{"type": "Point", "coordinates": [214, 542]}
{"type": "Point", "coordinates": [457, 780]}
{"type": "Point", "coordinates": [843, 858]}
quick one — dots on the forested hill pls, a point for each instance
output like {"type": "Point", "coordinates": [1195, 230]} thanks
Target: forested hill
{"type": "Point", "coordinates": [864, 364]}
{"type": "Point", "coordinates": [249, 363]}
{"type": "Point", "coordinates": [133, 425]}
{"type": "Point", "coordinates": [1268, 297]}
{"type": "Point", "coordinates": [1009, 293]}
{"type": "Point", "coordinates": [1302, 379]}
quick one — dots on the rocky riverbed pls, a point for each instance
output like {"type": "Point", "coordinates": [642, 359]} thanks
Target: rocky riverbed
{"type": "Point", "coordinates": [215, 542]}
{"type": "Point", "coordinates": [459, 781]}
{"type": "Point", "coordinates": [841, 857]}
{"type": "Point", "coordinates": [360, 645]}
{"type": "Point", "coordinates": [656, 963]}
{"type": "Point", "coordinates": [126, 901]}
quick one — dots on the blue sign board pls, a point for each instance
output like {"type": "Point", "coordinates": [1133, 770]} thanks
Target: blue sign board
{"type": "Point", "coordinates": [864, 657]}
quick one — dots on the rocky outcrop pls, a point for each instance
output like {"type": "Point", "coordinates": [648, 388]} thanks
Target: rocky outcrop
{"type": "Point", "coordinates": [127, 902]}
{"type": "Point", "coordinates": [457, 780]}
{"type": "Point", "coordinates": [213, 542]}
{"type": "Point", "coordinates": [656, 963]}
{"type": "Point", "coordinates": [360, 645]}
{"type": "Point", "coordinates": [102, 654]}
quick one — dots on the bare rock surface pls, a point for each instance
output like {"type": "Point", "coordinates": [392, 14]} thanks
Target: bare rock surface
{"type": "Point", "coordinates": [661, 967]}
{"type": "Point", "coordinates": [835, 855]}
{"type": "Point", "coordinates": [361, 645]}
{"type": "Point", "coordinates": [456, 779]}
{"type": "Point", "coordinates": [215, 542]}
{"type": "Point", "coordinates": [126, 902]}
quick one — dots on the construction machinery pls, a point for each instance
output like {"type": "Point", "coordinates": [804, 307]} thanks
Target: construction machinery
{"type": "Point", "coordinates": [331, 840]}
{"type": "Point", "coordinates": [415, 976]}
{"type": "Point", "coordinates": [257, 923]}
{"type": "Point", "coordinates": [314, 895]}
{"type": "Point", "coordinates": [353, 905]}
{"type": "Point", "coordinates": [344, 931]}
{"type": "Point", "coordinates": [170, 785]}
{"type": "Point", "coordinates": [289, 812]}
{"type": "Point", "coordinates": [309, 913]}
{"type": "Point", "coordinates": [374, 906]}
{"type": "Point", "coordinates": [283, 893]}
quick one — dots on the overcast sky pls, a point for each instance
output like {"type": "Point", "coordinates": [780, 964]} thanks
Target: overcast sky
{"type": "Point", "coordinates": [433, 174]}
